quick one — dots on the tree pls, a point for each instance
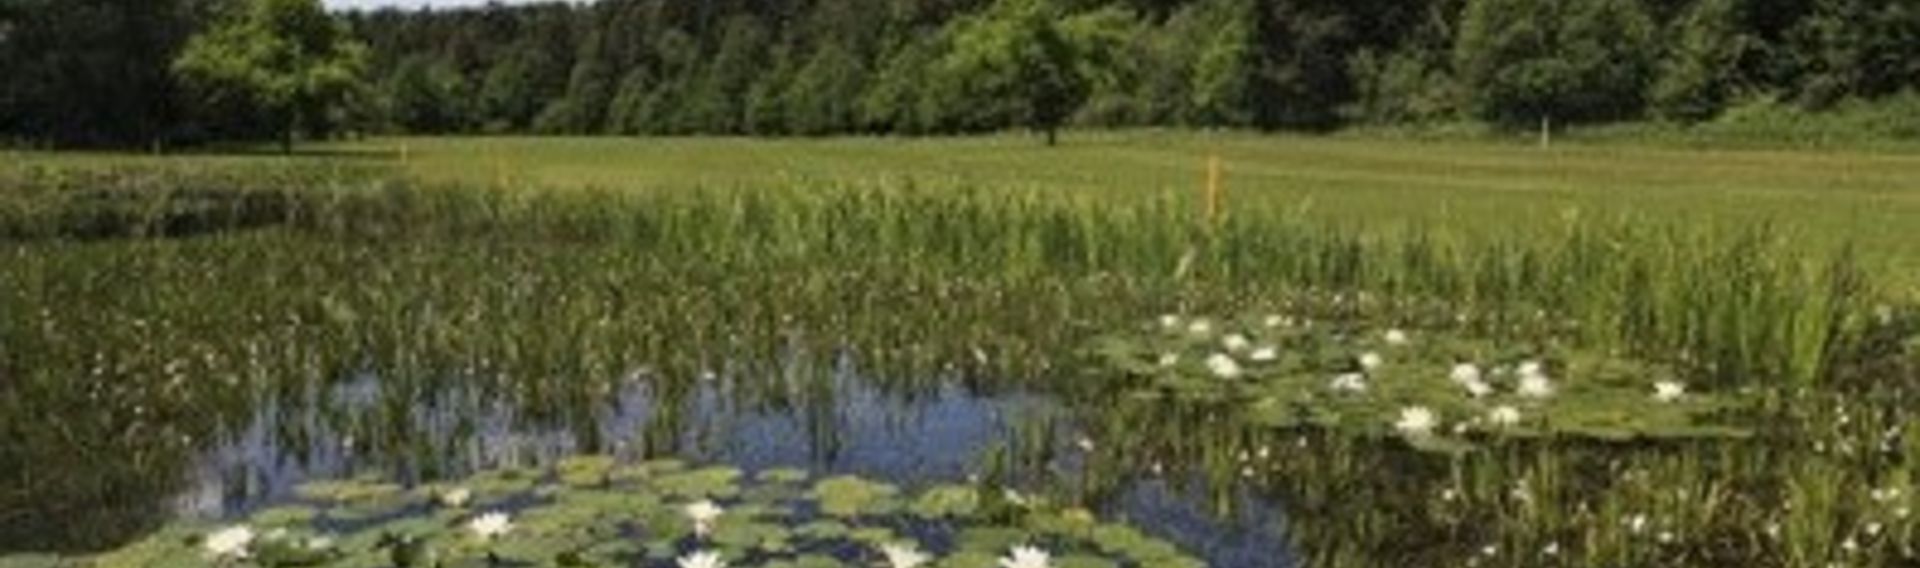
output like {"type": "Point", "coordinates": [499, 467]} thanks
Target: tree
{"type": "Point", "coordinates": [717, 102]}
{"type": "Point", "coordinates": [288, 59]}
{"type": "Point", "coordinates": [893, 101]}
{"type": "Point", "coordinates": [428, 96]}
{"type": "Point", "coordinates": [1701, 70]}
{"type": "Point", "coordinates": [822, 97]}
{"type": "Point", "coordinates": [1856, 48]}
{"type": "Point", "coordinates": [1019, 56]}
{"type": "Point", "coordinates": [91, 72]}
{"type": "Point", "coordinates": [590, 93]}
{"type": "Point", "coordinates": [1222, 63]}
{"type": "Point", "coordinates": [1547, 60]}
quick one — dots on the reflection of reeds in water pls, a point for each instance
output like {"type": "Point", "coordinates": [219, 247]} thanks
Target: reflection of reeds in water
{"type": "Point", "coordinates": [145, 348]}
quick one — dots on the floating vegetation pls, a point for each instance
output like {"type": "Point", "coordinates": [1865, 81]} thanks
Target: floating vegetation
{"type": "Point", "coordinates": [595, 511]}
{"type": "Point", "coordinates": [1632, 395]}
{"type": "Point", "coordinates": [1438, 390]}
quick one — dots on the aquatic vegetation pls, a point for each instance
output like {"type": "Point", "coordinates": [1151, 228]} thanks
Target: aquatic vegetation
{"type": "Point", "coordinates": [1599, 394]}
{"type": "Point", "coordinates": [627, 518]}
{"type": "Point", "coordinates": [1342, 377]}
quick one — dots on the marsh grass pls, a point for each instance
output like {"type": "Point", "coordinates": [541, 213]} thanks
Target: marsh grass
{"type": "Point", "coordinates": [145, 340]}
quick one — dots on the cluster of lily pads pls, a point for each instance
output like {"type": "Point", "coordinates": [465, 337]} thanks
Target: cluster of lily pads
{"type": "Point", "coordinates": [1440, 391]}
{"type": "Point", "coordinates": [594, 511]}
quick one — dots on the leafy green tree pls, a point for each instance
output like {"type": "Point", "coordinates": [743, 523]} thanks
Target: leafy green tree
{"type": "Point", "coordinates": [1522, 61]}
{"type": "Point", "coordinates": [514, 90]}
{"type": "Point", "coordinates": [717, 102]}
{"type": "Point", "coordinates": [1298, 75]}
{"type": "Point", "coordinates": [1411, 80]}
{"type": "Point", "coordinates": [1856, 48]}
{"type": "Point", "coordinates": [824, 94]}
{"type": "Point", "coordinates": [895, 95]}
{"type": "Point", "coordinates": [1701, 70]}
{"type": "Point", "coordinates": [1016, 63]}
{"type": "Point", "coordinates": [1222, 64]}
{"type": "Point", "coordinates": [631, 109]}
{"type": "Point", "coordinates": [590, 93]}
{"type": "Point", "coordinates": [92, 72]}
{"type": "Point", "coordinates": [287, 58]}
{"type": "Point", "coordinates": [429, 96]}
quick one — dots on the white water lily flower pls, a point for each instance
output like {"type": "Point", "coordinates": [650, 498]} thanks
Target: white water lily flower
{"type": "Point", "coordinates": [1477, 388]}
{"type": "Point", "coordinates": [230, 542]}
{"type": "Point", "coordinates": [702, 559]}
{"type": "Point", "coordinates": [1169, 359]}
{"type": "Point", "coordinates": [1535, 386]}
{"type": "Point", "coordinates": [1169, 321]}
{"type": "Point", "coordinates": [1465, 373]}
{"type": "Point", "coordinates": [1027, 557]}
{"type": "Point", "coordinates": [1264, 354]}
{"type": "Point", "coordinates": [1223, 366]}
{"type": "Point", "coordinates": [1636, 523]}
{"type": "Point", "coordinates": [456, 498]}
{"type": "Point", "coordinates": [904, 555]}
{"type": "Point", "coordinates": [1371, 360]}
{"type": "Point", "coordinates": [1417, 421]}
{"type": "Point", "coordinates": [1395, 337]}
{"type": "Point", "coordinates": [1200, 327]}
{"type": "Point", "coordinates": [1235, 342]}
{"type": "Point", "coordinates": [1531, 368]}
{"type": "Point", "coordinates": [1276, 321]}
{"type": "Point", "coordinates": [490, 525]}
{"type": "Point", "coordinates": [1350, 382]}
{"type": "Point", "coordinates": [1014, 497]}
{"type": "Point", "coordinates": [1668, 391]}
{"type": "Point", "coordinates": [703, 513]}
{"type": "Point", "coordinates": [1504, 416]}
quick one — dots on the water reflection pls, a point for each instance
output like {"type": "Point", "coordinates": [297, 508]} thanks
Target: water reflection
{"type": "Point", "coordinates": [840, 421]}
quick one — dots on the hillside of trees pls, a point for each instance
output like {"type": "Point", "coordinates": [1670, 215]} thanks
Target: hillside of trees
{"type": "Point", "coordinates": [107, 72]}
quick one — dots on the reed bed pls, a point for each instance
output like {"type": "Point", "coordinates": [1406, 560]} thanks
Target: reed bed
{"type": "Point", "coordinates": [143, 312]}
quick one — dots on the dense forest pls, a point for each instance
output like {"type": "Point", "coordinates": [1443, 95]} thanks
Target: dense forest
{"type": "Point", "coordinates": [111, 71]}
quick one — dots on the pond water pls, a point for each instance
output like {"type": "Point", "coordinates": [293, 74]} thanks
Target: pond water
{"type": "Point", "coordinates": [945, 432]}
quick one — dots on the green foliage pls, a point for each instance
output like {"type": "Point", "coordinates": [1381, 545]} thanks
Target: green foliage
{"type": "Point", "coordinates": [429, 96]}
{"type": "Point", "coordinates": [594, 526]}
{"type": "Point", "coordinates": [1222, 63]}
{"type": "Point", "coordinates": [1018, 57]}
{"type": "Point", "coordinates": [825, 92]}
{"type": "Point", "coordinates": [287, 58]}
{"type": "Point", "coordinates": [1525, 61]}
{"type": "Point", "coordinates": [1298, 374]}
{"type": "Point", "coordinates": [1855, 48]}
{"type": "Point", "coordinates": [1701, 70]}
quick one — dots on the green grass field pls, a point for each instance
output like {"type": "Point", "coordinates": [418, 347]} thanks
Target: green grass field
{"type": "Point", "coordinates": [1820, 199]}
{"type": "Point", "coordinates": [1825, 198]}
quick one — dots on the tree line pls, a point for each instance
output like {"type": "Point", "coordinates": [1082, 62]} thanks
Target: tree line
{"type": "Point", "coordinates": [138, 71]}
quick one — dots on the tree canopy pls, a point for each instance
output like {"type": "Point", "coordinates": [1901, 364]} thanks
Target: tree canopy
{"type": "Point", "coordinates": [288, 61]}
{"type": "Point", "coordinates": [135, 72]}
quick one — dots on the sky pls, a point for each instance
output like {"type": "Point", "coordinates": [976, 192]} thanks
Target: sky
{"type": "Point", "coordinates": [344, 4]}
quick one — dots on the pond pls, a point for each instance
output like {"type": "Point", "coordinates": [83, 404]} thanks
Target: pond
{"type": "Point", "coordinates": [1102, 380]}
{"type": "Point", "coordinates": [941, 434]}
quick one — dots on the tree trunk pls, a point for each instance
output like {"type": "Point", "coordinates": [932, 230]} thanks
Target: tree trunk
{"type": "Point", "coordinates": [1053, 136]}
